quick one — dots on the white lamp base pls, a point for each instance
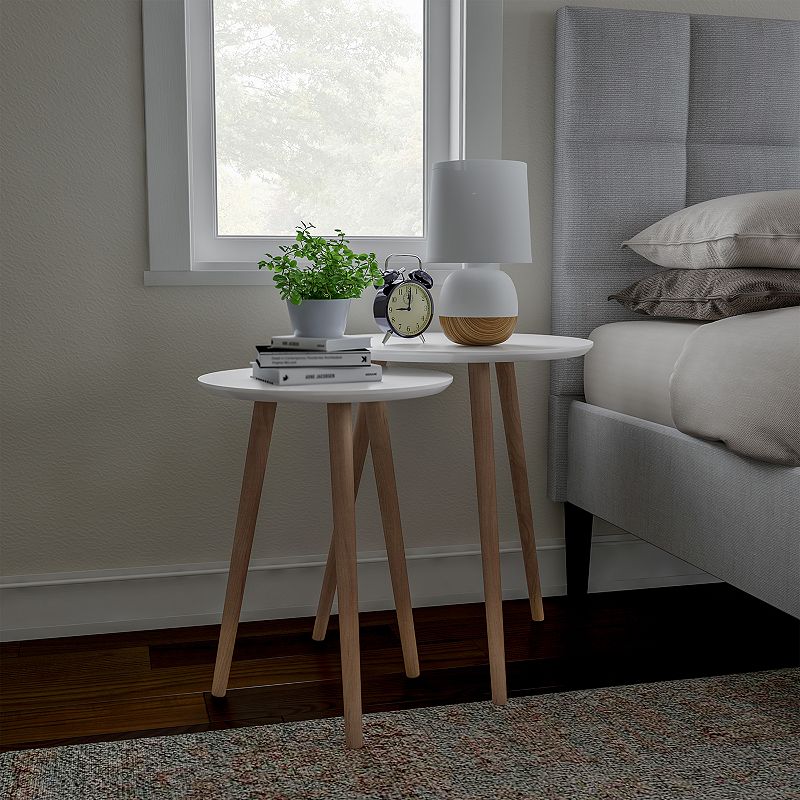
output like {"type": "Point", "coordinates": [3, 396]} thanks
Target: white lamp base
{"type": "Point", "coordinates": [478, 305]}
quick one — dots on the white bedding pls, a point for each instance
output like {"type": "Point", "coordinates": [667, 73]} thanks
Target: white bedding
{"type": "Point", "coordinates": [735, 381]}
{"type": "Point", "coordinates": [629, 367]}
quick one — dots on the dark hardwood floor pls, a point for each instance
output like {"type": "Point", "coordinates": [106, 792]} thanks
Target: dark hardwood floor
{"type": "Point", "coordinates": [122, 685]}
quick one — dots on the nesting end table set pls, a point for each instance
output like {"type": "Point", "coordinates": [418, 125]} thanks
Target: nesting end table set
{"type": "Point", "coordinates": [348, 447]}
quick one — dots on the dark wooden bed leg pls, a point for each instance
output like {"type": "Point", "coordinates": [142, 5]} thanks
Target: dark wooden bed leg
{"type": "Point", "coordinates": [578, 542]}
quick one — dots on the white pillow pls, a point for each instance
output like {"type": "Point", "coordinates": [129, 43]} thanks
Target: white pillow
{"type": "Point", "coordinates": [759, 229]}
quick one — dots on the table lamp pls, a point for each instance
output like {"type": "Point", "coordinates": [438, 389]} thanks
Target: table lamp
{"type": "Point", "coordinates": [478, 217]}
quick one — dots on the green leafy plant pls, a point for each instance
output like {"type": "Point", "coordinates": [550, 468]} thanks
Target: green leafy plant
{"type": "Point", "coordinates": [332, 271]}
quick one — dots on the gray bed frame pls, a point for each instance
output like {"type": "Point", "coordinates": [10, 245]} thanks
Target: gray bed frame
{"type": "Point", "coordinates": [654, 112]}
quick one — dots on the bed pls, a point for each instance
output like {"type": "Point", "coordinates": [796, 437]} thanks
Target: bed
{"type": "Point", "coordinates": [654, 112]}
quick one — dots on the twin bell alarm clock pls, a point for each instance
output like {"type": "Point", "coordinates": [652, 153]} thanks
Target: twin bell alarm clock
{"type": "Point", "coordinates": [403, 305]}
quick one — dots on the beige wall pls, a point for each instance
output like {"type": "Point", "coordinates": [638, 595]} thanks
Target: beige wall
{"type": "Point", "coordinates": [111, 457]}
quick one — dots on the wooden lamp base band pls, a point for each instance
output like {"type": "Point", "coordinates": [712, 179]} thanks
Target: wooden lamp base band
{"type": "Point", "coordinates": [478, 331]}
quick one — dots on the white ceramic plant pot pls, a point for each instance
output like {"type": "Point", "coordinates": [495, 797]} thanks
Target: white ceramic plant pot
{"type": "Point", "coordinates": [322, 319]}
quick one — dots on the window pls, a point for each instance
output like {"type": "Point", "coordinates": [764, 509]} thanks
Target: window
{"type": "Point", "coordinates": [324, 111]}
{"type": "Point", "coordinates": [329, 111]}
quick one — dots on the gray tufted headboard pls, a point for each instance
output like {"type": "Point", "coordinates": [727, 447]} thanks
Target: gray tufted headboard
{"type": "Point", "coordinates": [654, 112]}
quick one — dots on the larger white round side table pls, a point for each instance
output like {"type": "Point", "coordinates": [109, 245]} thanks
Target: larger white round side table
{"type": "Point", "coordinates": [437, 349]}
{"type": "Point", "coordinates": [397, 384]}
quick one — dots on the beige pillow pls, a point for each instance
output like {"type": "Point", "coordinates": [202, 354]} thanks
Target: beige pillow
{"type": "Point", "coordinates": [759, 229]}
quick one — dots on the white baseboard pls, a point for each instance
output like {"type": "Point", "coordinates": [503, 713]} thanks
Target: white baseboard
{"type": "Point", "coordinates": [104, 601]}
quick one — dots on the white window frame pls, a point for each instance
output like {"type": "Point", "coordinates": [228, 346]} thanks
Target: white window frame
{"type": "Point", "coordinates": [463, 113]}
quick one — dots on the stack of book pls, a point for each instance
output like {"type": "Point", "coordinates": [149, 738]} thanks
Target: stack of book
{"type": "Point", "coordinates": [296, 360]}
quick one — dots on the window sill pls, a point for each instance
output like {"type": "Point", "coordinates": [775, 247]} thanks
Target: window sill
{"type": "Point", "coordinates": [231, 277]}
{"type": "Point", "coordinates": [207, 277]}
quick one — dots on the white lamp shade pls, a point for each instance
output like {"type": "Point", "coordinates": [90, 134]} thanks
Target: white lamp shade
{"type": "Point", "coordinates": [479, 213]}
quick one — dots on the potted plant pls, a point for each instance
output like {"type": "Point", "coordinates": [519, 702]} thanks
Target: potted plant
{"type": "Point", "coordinates": [318, 277]}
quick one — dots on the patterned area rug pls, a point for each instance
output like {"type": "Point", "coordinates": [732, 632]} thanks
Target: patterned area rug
{"type": "Point", "coordinates": [727, 737]}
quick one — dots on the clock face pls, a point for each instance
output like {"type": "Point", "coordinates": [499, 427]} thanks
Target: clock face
{"type": "Point", "coordinates": [410, 309]}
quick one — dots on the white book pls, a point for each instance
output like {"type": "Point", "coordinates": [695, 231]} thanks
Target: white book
{"type": "Point", "coordinates": [299, 376]}
{"type": "Point", "coordinates": [357, 342]}
{"type": "Point", "coordinates": [268, 357]}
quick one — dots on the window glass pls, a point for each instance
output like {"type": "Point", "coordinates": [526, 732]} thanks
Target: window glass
{"type": "Point", "coordinates": [319, 110]}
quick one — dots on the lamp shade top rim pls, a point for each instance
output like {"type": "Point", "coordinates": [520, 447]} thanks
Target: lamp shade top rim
{"type": "Point", "coordinates": [468, 161]}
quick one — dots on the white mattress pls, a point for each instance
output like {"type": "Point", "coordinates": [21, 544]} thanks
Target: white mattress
{"type": "Point", "coordinates": [629, 367]}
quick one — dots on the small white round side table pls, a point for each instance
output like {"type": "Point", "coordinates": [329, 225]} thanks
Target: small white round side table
{"type": "Point", "coordinates": [437, 349]}
{"type": "Point", "coordinates": [373, 430]}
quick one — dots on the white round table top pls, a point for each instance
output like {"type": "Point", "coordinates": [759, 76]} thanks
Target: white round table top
{"type": "Point", "coordinates": [438, 349]}
{"type": "Point", "coordinates": [399, 383]}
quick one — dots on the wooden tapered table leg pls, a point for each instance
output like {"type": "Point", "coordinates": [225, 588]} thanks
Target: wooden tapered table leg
{"type": "Point", "coordinates": [380, 442]}
{"type": "Point", "coordinates": [483, 444]}
{"type": "Point", "coordinates": [392, 531]}
{"type": "Point", "coordinates": [326, 595]}
{"type": "Point", "coordinates": [340, 440]}
{"type": "Point", "coordinates": [254, 468]}
{"type": "Point", "coordinates": [509, 403]}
